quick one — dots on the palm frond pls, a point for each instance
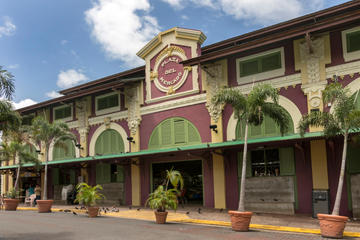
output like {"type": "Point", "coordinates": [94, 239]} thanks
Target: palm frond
{"type": "Point", "coordinates": [279, 115]}
{"type": "Point", "coordinates": [7, 86]}
{"type": "Point", "coordinates": [233, 97]}
{"type": "Point", "coordinates": [261, 93]}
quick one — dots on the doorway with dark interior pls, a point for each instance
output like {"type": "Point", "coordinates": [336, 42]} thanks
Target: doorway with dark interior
{"type": "Point", "coordinates": [192, 193]}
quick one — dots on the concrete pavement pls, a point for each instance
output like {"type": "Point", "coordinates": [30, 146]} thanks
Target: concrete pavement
{"type": "Point", "coordinates": [283, 223]}
{"type": "Point", "coordinates": [30, 225]}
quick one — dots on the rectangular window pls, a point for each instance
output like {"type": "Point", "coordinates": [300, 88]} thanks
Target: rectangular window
{"type": "Point", "coordinates": [351, 44]}
{"type": "Point", "coordinates": [108, 102]}
{"type": "Point", "coordinates": [63, 113]}
{"type": "Point", "coordinates": [260, 66]}
{"type": "Point", "coordinates": [265, 162]}
{"type": "Point", "coordinates": [353, 41]}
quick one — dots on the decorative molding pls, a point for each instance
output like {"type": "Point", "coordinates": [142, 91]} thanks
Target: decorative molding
{"type": "Point", "coordinates": [285, 81]}
{"type": "Point", "coordinates": [343, 69]}
{"type": "Point", "coordinates": [102, 128]}
{"type": "Point", "coordinates": [73, 124]}
{"type": "Point", "coordinates": [178, 103]}
{"type": "Point", "coordinates": [113, 116]}
{"type": "Point", "coordinates": [311, 55]}
{"type": "Point", "coordinates": [214, 76]}
{"type": "Point", "coordinates": [180, 94]}
{"type": "Point", "coordinates": [133, 102]}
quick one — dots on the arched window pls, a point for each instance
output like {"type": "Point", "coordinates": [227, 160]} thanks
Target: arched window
{"type": "Point", "coordinates": [64, 150]}
{"type": "Point", "coordinates": [109, 142]}
{"type": "Point", "coordinates": [268, 128]}
{"type": "Point", "coordinates": [174, 132]}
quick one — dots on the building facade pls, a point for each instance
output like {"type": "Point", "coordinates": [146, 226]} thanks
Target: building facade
{"type": "Point", "coordinates": [134, 125]}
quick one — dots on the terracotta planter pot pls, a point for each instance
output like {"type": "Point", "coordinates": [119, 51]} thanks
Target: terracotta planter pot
{"type": "Point", "coordinates": [93, 211]}
{"type": "Point", "coordinates": [161, 217]}
{"type": "Point", "coordinates": [240, 221]}
{"type": "Point", "coordinates": [44, 206]}
{"type": "Point", "coordinates": [11, 204]}
{"type": "Point", "coordinates": [332, 226]}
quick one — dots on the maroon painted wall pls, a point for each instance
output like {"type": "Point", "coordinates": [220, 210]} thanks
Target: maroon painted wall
{"type": "Point", "coordinates": [231, 180]}
{"type": "Point", "coordinates": [304, 178]}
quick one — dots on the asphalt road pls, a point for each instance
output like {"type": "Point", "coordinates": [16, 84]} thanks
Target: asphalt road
{"type": "Point", "coordinates": [28, 225]}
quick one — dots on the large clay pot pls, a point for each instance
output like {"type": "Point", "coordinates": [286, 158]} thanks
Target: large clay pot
{"type": "Point", "coordinates": [240, 221]}
{"type": "Point", "coordinates": [332, 226]}
{"type": "Point", "coordinates": [160, 217]}
{"type": "Point", "coordinates": [93, 211]}
{"type": "Point", "coordinates": [44, 206]}
{"type": "Point", "coordinates": [11, 204]}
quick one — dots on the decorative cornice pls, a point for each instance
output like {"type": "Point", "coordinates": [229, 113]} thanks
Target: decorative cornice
{"type": "Point", "coordinates": [180, 94]}
{"type": "Point", "coordinates": [343, 69]}
{"type": "Point", "coordinates": [113, 116]}
{"type": "Point", "coordinates": [193, 100]}
{"type": "Point", "coordinates": [289, 80]}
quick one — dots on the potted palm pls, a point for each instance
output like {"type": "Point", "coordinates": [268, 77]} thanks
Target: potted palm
{"type": "Point", "coordinates": [164, 198]}
{"type": "Point", "coordinates": [88, 195]}
{"type": "Point", "coordinates": [343, 120]}
{"type": "Point", "coordinates": [44, 133]}
{"type": "Point", "coordinates": [11, 202]}
{"type": "Point", "coordinates": [251, 109]}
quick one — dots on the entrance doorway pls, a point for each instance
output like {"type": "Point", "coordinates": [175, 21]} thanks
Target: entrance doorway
{"type": "Point", "coordinates": [192, 175]}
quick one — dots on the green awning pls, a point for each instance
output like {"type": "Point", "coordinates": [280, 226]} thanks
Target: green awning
{"type": "Point", "coordinates": [202, 146]}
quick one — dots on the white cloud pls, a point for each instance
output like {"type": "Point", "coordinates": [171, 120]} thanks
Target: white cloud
{"type": "Point", "coordinates": [63, 42]}
{"type": "Point", "coordinates": [122, 27]}
{"type": "Point", "coordinates": [13, 66]}
{"type": "Point", "coordinates": [69, 78]}
{"type": "Point", "coordinates": [8, 28]}
{"type": "Point", "coordinates": [184, 17]}
{"type": "Point", "coordinates": [175, 3]}
{"type": "Point", "coordinates": [53, 94]}
{"type": "Point", "coordinates": [263, 12]}
{"type": "Point", "coordinates": [23, 103]}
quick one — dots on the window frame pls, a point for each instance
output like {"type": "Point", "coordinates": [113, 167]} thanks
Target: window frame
{"type": "Point", "coordinates": [70, 118]}
{"type": "Point", "coordinates": [351, 55]}
{"type": "Point", "coordinates": [107, 110]}
{"type": "Point", "coordinates": [263, 75]}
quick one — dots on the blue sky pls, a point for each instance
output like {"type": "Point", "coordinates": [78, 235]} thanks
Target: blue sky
{"type": "Point", "coordinates": [52, 45]}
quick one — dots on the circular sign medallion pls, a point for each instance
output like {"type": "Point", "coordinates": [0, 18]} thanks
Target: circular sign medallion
{"type": "Point", "coordinates": [170, 71]}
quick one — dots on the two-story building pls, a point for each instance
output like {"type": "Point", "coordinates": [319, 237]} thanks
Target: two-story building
{"type": "Point", "coordinates": [133, 125]}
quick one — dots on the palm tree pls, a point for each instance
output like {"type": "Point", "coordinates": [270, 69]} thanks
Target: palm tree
{"type": "Point", "coordinates": [44, 133]}
{"type": "Point", "coordinates": [251, 110]}
{"type": "Point", "coordinates": [344, 119]}
{"type": "Point", "coordinates": [9, 120]}
{"type": "Point", "coordinates": [14, 149]}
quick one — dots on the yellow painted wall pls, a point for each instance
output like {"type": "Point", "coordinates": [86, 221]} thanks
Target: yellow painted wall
{"type": "Point", "coordinates": [219, 180]}
{"type": "Point", "coordinates": [319, 164]}
{"type": "Point", "coordinates": [217, 137]}
{"type": "Point", "coordinates": [135, 185]}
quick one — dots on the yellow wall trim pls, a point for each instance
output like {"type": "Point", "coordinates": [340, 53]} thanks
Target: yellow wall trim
{"type": "Point", "coordinates": [319, 164]}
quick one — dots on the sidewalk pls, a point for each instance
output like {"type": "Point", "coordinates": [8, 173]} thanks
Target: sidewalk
{"type": "Point", "coordinates": [196, 215]}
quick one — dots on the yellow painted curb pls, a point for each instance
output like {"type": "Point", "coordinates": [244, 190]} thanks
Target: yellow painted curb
{"type": "Point", "coordinates": [182, 218]}
{"type": "Point", "coordinates": [266, 227]}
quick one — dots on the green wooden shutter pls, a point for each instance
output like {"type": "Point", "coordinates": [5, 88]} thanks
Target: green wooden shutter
{"type": "Point", "coordinates": [72, 176]}
{"type": "Point", "coordinates": [154, 139]}
{"type": "Point", "coordinates": [248, 164]}
{"type": "Point", "coordinates": [109, 142]}
{"type": "Point", "coordinates": [193, 134]}
{"type": "Point", "coordinates": [249, 67]}
{"type": "Point", "coordinates": [255, 131]}
{"type": "Point", "coordinates": [166, 130]}
{"type": "Point", "coordinates": [179, 131]}
{"type": "Point", "coordinates": [287, 161]}
{"type": "Point", "coordinates": [55, 176]}
{"type": "Point", "coordinates": [67, 151]}
{"type": "Point", "coordinates": [353, 41]}
{"type": "Point", "coordinates": [270, 127]}
{"type": "Point", "coordinates": [353, 161]}
{"type": "Point", "coordinates": [106, 173]}
{"type": "Point", "coordinates": [120, 174]}
{"type": "Point", "coordinates": [99, 173]}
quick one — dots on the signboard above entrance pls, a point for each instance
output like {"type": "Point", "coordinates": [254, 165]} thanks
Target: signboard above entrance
{"type": "Point", "coordinates": [168, 74]}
